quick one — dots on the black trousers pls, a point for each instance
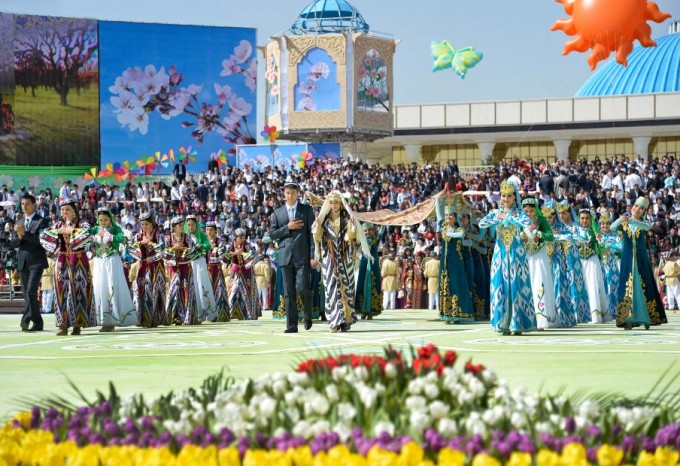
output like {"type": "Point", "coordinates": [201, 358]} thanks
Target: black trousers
{"type": "Point", "coordinates": [296, 282]}
{"type": "Point", "coordinates": [30, 282]}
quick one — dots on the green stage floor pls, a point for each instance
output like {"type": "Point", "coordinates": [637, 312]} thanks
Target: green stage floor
{"type": "Point", "coordinates": [593, 357]}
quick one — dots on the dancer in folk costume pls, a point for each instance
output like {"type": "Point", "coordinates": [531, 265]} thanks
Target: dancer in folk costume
{"type": "Point", "coordinates": [564, 315]}
{"type": "Point", "coordinates": [68, 242]}
{"type": "Point", "coordinates": [479, 285]}
{"type": "Point", "coordinates": [535, 238]}
{"type": "Point", "coordinates": [243, 300]}
{"type": "Point", "coordinates": [566, 238]}
{"type": "Point", "coordinates": [419, 298]}
{"type": "Point", "coordinates": [639, 301]}
{"type": "Point", "coordinates": [455, 299]}
{"type": "Point", "coordinates": [611, 247]}
{"type": "Point", "coordinates": [431, 273]}
{"type": "Point", "coordinates": [215, 256]}
{"type": "Point", "coordinates": [406, 283]}
{"type": "Point", "coordinates": [389, 273]}
{"type": "Point", "coordinates": [512, 309]}
{"type": "Point", "coordinates": [335, 233]}
{"type": "Point", "coordinates": [207, 309]}
{"type": "Point", "coordinates": [150, 277]}
{"type": "Point", "coordinates": [671, 273]}
{"type": "Point", "coordinates": [181, 307]}
{"type": "Point", "coordinates": [263, 279]}
{"type": "Point", "coordinates": [368, 297]}
{"type": "Point", "coordinates": [113, 302]}
{"type": "Point", "coordinates": [589, 249]}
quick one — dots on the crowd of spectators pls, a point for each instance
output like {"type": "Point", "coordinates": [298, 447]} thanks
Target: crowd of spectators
{"type": "Point", "coordinates": [242, 198]}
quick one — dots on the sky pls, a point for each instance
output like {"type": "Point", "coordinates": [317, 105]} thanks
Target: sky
{"type": "Point", "coordinates": [522, 57]}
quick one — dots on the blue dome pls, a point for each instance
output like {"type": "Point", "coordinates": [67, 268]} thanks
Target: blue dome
{"type": "Point", "coordinates": [327, 17]}
{"type": "Point", "coordinates": [650, 70]}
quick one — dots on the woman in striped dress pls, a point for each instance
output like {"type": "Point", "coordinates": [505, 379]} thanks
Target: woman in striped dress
{"type": "Point", "coordinates": [150, 289]}
{"type": "Point", "coordinates": [215, 256]}
{"type": "Point", "coordinates": [181, 306]}
{"type": "Point", "coordinates": [335, 233]}
{"type": "Point", "coordinates": [68, 242]}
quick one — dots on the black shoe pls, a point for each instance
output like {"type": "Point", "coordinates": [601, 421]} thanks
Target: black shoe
{"type": "Point", "coordinates": [308, 325]}
{"type": "Point", "coordinates": [35, 328]}
{"type": "Point", "coordinates": [291, 330]}
{"type": "Point", "coordinates": [24, 326]}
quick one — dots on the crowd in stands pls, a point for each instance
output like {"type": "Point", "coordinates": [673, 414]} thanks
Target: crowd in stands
{"type": "Point", "coordinates": [244, 198]}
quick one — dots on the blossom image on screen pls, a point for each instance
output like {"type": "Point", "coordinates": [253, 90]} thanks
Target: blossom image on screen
{"type": "Point", "coordinates": [372, 90]}
{"type": "Point", "coordinates": [317, 87]}
{"type": "Point", "coordinates": [271, 75]}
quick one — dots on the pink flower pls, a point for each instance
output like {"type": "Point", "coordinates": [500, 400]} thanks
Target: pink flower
{"type": "Point", "coordinates": [229, 67]}
{"type": "Point", "coordinates": [239, 105]}
{"type": "Point", "coordinates": [223, 93]}
{"type": "Point", "coordinates": [242, 51]}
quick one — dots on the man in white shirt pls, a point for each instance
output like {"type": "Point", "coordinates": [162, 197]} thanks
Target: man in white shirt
{"type": "Point", "coordinates": [606, 182]}
{"type": "Point", "coordinates": [633, 179]}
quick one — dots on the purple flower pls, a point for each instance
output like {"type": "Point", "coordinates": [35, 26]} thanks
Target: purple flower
{"type": "Point", "coordinates": [668, 435]}
{"type": "Point", "coordinates": [591, 454]}
{"type": "Point", "coordinates": [648, 445]}
{"type": "Point", "coordinates": [629, 445]}
{"type": "Point", "coordinates": [570, 425]}
{"type": "Point", "coordinates": [51, 413]}
{"type": "Point", "coordinates": [35, 417]}
{"type": "Point", "coordinates": [227, 436]}
{"type": "Point", "coordinates": [243, 445]}
{"type": "Point", "coordinates": [147, 423]}
{"type": "Point", "coordinates": [95, 438]}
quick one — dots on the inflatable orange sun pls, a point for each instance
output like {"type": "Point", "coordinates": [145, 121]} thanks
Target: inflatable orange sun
{"type": "Point", "coordinates": [607, 26]}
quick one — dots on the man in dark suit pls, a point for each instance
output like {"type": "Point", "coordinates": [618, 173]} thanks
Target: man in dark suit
{"type": "Point", "coordinates": [291, 226]}
{"type": "Point", "coordinates": [31, 261]}
{"type": "Point", "coordinates": [180, 172]}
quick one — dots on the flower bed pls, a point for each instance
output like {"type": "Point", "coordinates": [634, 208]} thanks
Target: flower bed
{"type": "Point", "coordinates": [350, 409]}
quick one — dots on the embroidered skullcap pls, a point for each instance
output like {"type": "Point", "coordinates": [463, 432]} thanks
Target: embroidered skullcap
{"type": "Point", "coordinates": [239, 232]}
{"type": "Point", "coordinates": [211, 225]}
{"type": "Point", "coordinates": [176, 220]}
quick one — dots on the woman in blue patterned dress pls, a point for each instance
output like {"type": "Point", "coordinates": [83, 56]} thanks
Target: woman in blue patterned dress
{"type": "Point", "coordinates": [512, 309]}
{"type": "Point", "coordinates": [639, 302]}
{"type": "Point", "coordinates": [565, 316]}
{"type": "Point", "coordinates": [368, 296]}
{"type": "Point", "coordinates": [68, 242]}
{"type": "Point", "coordinates": [611, 246]}
{"type": "Point", "coordinates": [113, 302]}
{"type": "Point", "coordinates": [455, 299]}
{"type": "Point", "coordinates": [565, 236]}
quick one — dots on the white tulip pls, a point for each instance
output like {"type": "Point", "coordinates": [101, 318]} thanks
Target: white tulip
{"type": "Point", "coordinates": [438, 409]}
{"type": "Point", "coordinates": [431, 391]}
{"type": "Point", "coordinates": [346, 411]}
{"type": "Point", "coordinates": [447, 427]}
{"type": "Point", "coordinates": [303, 429]}
{"type": "Point", "coordinates": [390, 370]}
{"type": "Point", "coordinates": [332, 393]}
{"type": "Point", "coordinates": [416, 403]}
{"type": "Point", "coordinates": [383, 426]}
{"type": "Point", "coordinates": [320, 426]}
{"type": "Point", "coordinates": [518, 420]}
{"type": "Point", "coordinates": [419, 420]}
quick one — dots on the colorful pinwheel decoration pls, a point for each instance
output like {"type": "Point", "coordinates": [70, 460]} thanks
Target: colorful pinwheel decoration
{"type": "Point", "coordinates": [171, 155]}
{"type": "Point", "coordinates": [270, 134]}
{"type": "Point", "coordinates": [445, 56]}
{"type": "Point", "coordinates": [91, 177]}
{"type": "Point", "coordinates": [187, 155]}
{"type": "Point", "coordinates": [304, 159]}
{"type": "Point", "coordinates": [131, 171]}
{"type": "Point", "coordinates": [221, 157]}
{"type": "Point", "coordinates": [115, 170]}
{"type": "Point", "coordinates": [161, 160]}
{"type": "Point", "coordinates": [147, 165]}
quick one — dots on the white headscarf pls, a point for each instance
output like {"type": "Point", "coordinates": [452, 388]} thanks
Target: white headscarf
{"type": "Point", "coordinates": [325, 209]}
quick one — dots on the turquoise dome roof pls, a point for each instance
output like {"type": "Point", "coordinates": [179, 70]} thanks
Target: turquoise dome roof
{"type": "Point", "coordinates": [327, 17]}
{"type": "Point", "coordinates": [650, 70]}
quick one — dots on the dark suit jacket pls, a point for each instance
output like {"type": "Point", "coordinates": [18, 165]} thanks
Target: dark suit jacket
{"type": "Point", "coordinates": [30, 252]}
{"type": "Point", "coordinates": [297, 244]}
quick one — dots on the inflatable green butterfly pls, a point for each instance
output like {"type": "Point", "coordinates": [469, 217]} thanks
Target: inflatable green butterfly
{"type": "Point", "coordinates": [445, 56]}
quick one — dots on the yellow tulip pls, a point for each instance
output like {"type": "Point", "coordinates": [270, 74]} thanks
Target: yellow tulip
{"type": "Point", "coordinates": [229, 457]}
{"type": "Point", "coordinates": [87, 456]}
{"type": "Point", "coordinates": [449, 457]}
{"type": "Point", "coordinates": [412, 454]}
{"type": "Point", "coordinates": [152, 456]}
{"type": "Point", "coordinates": [608, 455]}
{"type": "Point", "coordinates": [301, 456]}
{"type": "Point", "coordinates": [666, 457]}
{"type": "Point", "coordinates": [547, 458]}
{"type": "Point", "coordinates": [483, 459]}
{"type": "Point", "coordinates": [519, 459]}
{"type": "Point", "coordinates": [646, 459]}
{"type": "Point", "coordinates": [24, 418]}
{"type": "Point", "coordinates": [379, 457]}
{"type": "Point", "coordinates": [193, 455]}
{"type": "Point", "coordinates": [574, 454]}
